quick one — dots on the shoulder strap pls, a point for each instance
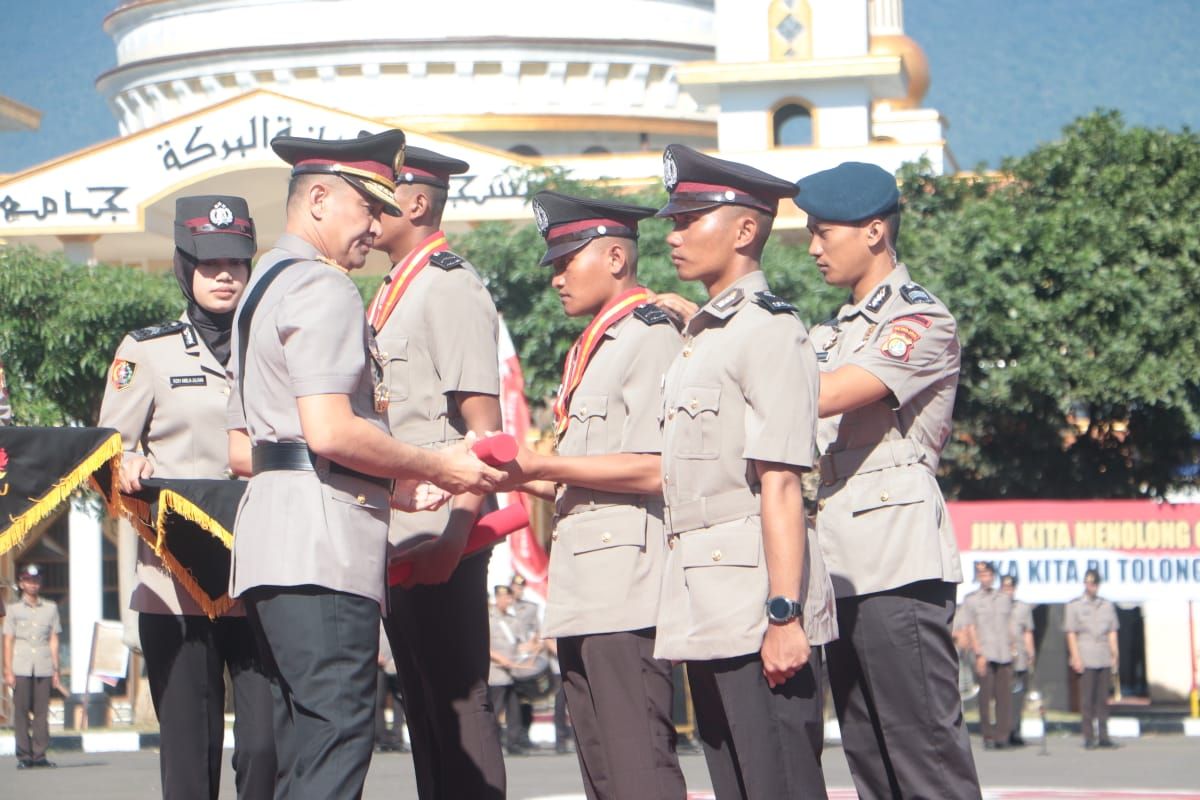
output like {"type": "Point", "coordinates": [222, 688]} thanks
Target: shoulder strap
{"type": "Point", "coordinates": [246, 316]}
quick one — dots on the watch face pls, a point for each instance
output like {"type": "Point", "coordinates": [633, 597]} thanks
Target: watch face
{"type": "Point", "coordinates": [779, 608]}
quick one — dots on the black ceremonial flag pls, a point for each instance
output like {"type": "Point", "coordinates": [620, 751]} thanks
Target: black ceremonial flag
{"type": "Point", "coordinates": [40, 467]}
{"type": "Point", "coordinates": [189, 523]}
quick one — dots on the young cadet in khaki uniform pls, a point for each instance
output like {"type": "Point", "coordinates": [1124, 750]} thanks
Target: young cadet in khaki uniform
{"type": "Point", "coordinates": [889, 369]}
{"type": "Point", "coordinates": [1026, 655]}
{"type": "Point", "coordinates": [1091, 627]}
{"type": "Point", "coordinates": [988, 617]}
{"type": "Point", "coordinates": [437, 328]}
{"type": "Point", "coordinates": [166, 394]}
{"type": "Point", "coordinates": [607, 558]}
{"type": "Point", "coordinates": [310, 542]}
{"type": "Point", "coordinates": [30, 659]}
{"type": "Point", "coordinates": [745, 597]}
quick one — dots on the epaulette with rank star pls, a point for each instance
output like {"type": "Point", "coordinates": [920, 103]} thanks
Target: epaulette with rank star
{"type": "Point", "coordinates": [157, 331]}
{"type": "Point", "coordinates": [446, 260]}
{"type": "Point", "coordinates": [651, 314]}
{"type": "Point", "coordinates": [773, 303]}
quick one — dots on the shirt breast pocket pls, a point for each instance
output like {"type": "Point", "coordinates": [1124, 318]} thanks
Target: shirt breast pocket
{"type": "Point", "coordinates": [591, 412]}
{"type": "Point", "coordinates": [890, 488]}
{"type": "Point", "coordinates": [394, 354]}
{"type": "Point", "coordinates": [694, 415]}
{"type": "Point", "coordinates": [605, 529]}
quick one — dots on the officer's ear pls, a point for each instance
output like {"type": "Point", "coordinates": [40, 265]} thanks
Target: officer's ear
{"type": "Point", "coordinates": [618, 259]}
{"type": "Point", "coordinates": [318, 196]}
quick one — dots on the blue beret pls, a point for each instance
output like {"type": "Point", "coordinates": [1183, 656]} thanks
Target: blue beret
{"type": "Point", "coordinates": [849, 192]}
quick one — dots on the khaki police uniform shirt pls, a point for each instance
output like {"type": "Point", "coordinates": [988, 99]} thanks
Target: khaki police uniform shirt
{"type": "Point", "coordinates": [1022, 623]}
{"type": "Point", "coordinates": [506, 638]}
{"type": "Point", "coordinates": [166, 395]}
{"type": "Point", "coordinates": [1091, 621]}
{"type": "Point", "coordinates": [440, 338]}
{"type": "Point", "coordinates": [5, 406]}
{"type": "Point", "coordinates": [881, 516]}
{"type": "Point", "coordinates": [607, 558]}
{"type": "Point", "coordinates": [295, 527]}
{"type": "Point", "coordinates": [742, 389]}
{"type": "Point", "coordinates": [990, 612]}
{"type": "Point", "coordinates": [31, 627]}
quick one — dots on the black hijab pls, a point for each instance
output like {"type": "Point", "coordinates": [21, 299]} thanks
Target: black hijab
{"type": "Point", "coordinates": [215, 329]}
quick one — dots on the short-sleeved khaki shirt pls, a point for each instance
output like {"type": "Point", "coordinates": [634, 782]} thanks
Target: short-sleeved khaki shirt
{"type": "Point", "coordinates": [309, 337]}
{"type": "Point", "coordinates": [881, 516]}
{"type": "Point", "coordinates": [1022, 623]}
{"type": "Point", "coordinates": [440, 338]}
{"type": "Point", "coordinates": [1091, 621]}
{"type": "Point", "coordinates": [31, 627]}
{"type": "Point", "coordinates": [167, 396]}
{"type": "Point", "coordinates": [606, 560]}
{"type": "Point", "coordinates": [990, 613]}
{"type": "Point", "coordinates": [742, 389]}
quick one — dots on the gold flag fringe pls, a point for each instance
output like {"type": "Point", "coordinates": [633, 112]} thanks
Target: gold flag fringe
{"type": "Point", "coordinates": [170, 502]}
{"type": "Point", "coordinates": [43, 507]}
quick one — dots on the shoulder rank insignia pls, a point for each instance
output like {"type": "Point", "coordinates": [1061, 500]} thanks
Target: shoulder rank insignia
{"type": "Point", "coordinates": [774, 304]}
{"type": "Point", "coordinates": [190, 339]}
{"type": "Point", "coordinates": [880, 297]}
{"type": "Point", "coordinates": [913, 293]}
{"type": "Point", "coordinates": [156, 331]}
{"type": "Point", "coordinates": [446, 260]}
{"type": "Point", "coordinates": [651, 314]}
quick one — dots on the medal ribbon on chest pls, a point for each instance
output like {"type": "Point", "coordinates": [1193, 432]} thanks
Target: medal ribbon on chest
{"type": "Point", "coordinates": [585, 347]}
{"type": "Point", "coordinates": [401, 277]}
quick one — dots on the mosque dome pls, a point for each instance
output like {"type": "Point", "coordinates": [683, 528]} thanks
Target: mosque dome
{"type": "Point", "coordinates": [534, 76]}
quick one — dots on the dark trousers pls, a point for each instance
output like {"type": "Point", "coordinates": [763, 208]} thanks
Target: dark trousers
{"type": "Point", "coordinates": [995, 688]}
{"type": "Point", "coordinates": [388, 686]}
{"type": "Point", "coordinates": [31, 701]}
{"type": "Point", "coordinates": [1093, 703]}
{"type": "Point", "coordinates": [1020, 679]}
{"type": "Point", "coordinates": [894, 680]}
{"type": "Point", "coordinates": [562, 726]}
{"type": "Point", "coordinates": [440, 640]}
{"type": "Point", "coordinates": [760, 743]}
{"type": "Point", "coordinates": [186, 657]}
{"type": "Point", "coordinates": [619, 696]}
{"type": "Point", "coordinates": [505, 697]}
{"type": "Point", "coordinates": [321, 650]}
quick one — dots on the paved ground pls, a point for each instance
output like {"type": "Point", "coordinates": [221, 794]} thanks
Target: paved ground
{"type": "Point", "coordinates": [1146, 768]}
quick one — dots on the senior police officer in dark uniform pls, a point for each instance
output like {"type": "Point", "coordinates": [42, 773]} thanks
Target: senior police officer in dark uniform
{"type": "Point", "coordinates": [437, 329]}
{"type": "Point", "coordinates": [889, 370]}
{"type": "Point", "coordinates": [746, 599]}
{"type": "Point", "coordinates": [310, 543]}
{"type": "Point", "coordinates": [604, 478]}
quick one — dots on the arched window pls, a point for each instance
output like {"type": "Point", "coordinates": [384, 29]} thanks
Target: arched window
{"type": "Point", "coordinates": [524, 150]}
{"type": "Point", "coordinates": [793, 126]}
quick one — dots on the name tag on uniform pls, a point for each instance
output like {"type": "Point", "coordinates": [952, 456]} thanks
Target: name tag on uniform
{"type": "Point", "coordinates": [188, 380]}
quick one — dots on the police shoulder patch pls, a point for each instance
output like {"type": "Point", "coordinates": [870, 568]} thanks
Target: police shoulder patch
{"type": "Point", "coordinates": [774, 304]}
{"type": "Point", "coordinates": [651, 314]}
{"type": "Point", "coordinates": [913, 293]}
{"type": "Point", "coordinates": [156, 331]}
{"type": "Point", "coordinates": [446, 260]}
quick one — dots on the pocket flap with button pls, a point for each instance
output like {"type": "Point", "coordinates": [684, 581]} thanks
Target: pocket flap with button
{"type": "Point", "coordinates": [393, 348]}
{"type": "Point", "coordinates": [695, 400]}
{"type": "Point", "coordinates": [886, 488]}
{"type": "Point", "coordinates": [603, 528]}
{"type": "Point", "coordinates": [584, 407]}
{"type": "Point", "coordinates": [736, 545]}
{"type": "Point", "coordinates": [355, 491]}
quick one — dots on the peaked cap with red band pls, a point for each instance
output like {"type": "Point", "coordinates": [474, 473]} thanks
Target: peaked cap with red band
{"type": "Point", "coordinates": [430, 168]}
{"type": "Point", "coordinates": [368, 163]}
{"type": "Point", "coordinates": [214, 226]}
{"type": "Point", "coordinates": [568, 223]}
{"type": "Point", "coordinates": [698, 182]}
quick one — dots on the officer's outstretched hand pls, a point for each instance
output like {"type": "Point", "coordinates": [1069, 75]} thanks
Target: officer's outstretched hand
{"type": "Point", "coordinates": [414, 495]}
{"type": "Point", "coordinates": [134, 467]}
{"type": "Point", "coordinates": [461, 471]}
{"type": "Point", "coordinates": [785, 651]}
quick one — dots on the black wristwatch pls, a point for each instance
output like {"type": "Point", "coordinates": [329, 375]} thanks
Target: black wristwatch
{"type": "Point", "coordinates": [782, 609]}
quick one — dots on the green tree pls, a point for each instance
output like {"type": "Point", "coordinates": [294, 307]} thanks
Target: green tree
{"type": "Point", "coordinates": [1075, 278]}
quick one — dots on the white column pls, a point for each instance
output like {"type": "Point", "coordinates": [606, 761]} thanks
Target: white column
{"type": "Point", "coordinates": [85, 587]}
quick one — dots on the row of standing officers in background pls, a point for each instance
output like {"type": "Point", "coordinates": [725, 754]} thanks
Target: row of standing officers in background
{"type": "Point", "coordinates": [680, 528]}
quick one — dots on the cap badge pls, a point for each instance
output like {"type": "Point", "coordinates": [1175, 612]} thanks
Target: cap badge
{"type": "Point", "coordinates": [398, 160]}
{"type": "Point", "coordinates": [539, 216]}
{"type": "Point", "coordinates": [220, 215]}
{"type": "Point", "coordinates": [670, 171]}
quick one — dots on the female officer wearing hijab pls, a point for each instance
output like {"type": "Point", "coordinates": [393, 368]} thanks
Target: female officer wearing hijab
{"type": "Point", "coordinates": [167, 394]}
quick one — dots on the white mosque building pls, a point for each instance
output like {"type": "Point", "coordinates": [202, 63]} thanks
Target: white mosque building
{"type": "Point", "coordinates": [201, 86]}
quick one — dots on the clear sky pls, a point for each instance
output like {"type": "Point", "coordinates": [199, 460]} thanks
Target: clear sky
{"type": "Point", "coordinates": [1007, 75]}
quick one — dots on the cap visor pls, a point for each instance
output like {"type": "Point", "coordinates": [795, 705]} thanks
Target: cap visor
{"type": "Point", "coordinates": [374, 191]}
{"type": "Point", "coordinates": [562, 249]}
{"type": "Point", "coordinates": [214, 246]}
{"type": "Point", "coordinates": [675, 206]}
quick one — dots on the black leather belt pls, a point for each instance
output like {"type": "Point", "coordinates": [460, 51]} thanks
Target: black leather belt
{"type": "Point", "coordinates": [270, 456]}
